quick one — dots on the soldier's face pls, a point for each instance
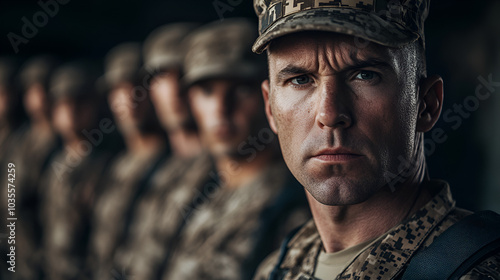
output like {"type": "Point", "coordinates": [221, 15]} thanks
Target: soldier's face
{"type": "Point", "coordinates": [129, 106]}
{"type": "Point", "coordinates": [345, 116]}
{"type": "Point", "coordinates": [71, 117]}
{"type": "Point", "coordinates": [35, 101]}
{"type": "Point", "coordinates": [227, 113]}
{"type": "Point", "coordinates": [165, 95]}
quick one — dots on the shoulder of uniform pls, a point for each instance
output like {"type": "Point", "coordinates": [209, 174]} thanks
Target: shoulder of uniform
{"type": "Point", "coordinates": [488, 269]}
{"type": "Point", "coordinates": [299, 247]}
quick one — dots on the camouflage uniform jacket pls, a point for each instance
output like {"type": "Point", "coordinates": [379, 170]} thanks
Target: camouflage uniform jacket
{"type": "Point", "coordinates": [67, 190]}
{"type": "Point", "coordinates": [112, 209]}
{"type": "Point", "coordinates": [230, 234]}
{"type": "Point", "coordinates": [160, 215]}
{"type": "Point", "coordinates": [387, 258]}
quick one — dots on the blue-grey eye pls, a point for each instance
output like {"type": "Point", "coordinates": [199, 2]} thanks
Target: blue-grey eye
{"type": "Point", "coordinates": [301, 80]}
{"type": "Point", "coordinates": [366, 75]}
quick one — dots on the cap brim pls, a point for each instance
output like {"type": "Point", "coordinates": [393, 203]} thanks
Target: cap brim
{"type": "Point", "coordinates": [222, 71]}
{"type": "Point", "coordinates": [365, 25]}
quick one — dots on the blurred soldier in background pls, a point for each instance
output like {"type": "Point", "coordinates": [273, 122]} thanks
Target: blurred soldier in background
{"type": "Point", "coordinates": [160, 214]}
{"type": "Point", "coordinates": [32, 154]}
{"type": "Point", "coordinates": [258, 201]}
{"type": "Point", "coordinates": [69, 185]}
{"type": "Point", "coordinates": [131, 172]}
{"type": "Point", "coordinates": [163, 56]}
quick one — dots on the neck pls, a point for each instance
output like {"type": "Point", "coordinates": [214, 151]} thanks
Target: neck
{"type": "Point", "coordinates": [341, 227]}
{"type": "Point", "coordinates": [236, 172]}
{"type": "Point", "coordinates": [184, 143]}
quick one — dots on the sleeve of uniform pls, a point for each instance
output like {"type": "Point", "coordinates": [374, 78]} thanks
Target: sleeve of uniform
{"type": "Point", "coordinates": [488, 269]}
{"type": "Point", "coordinates": [266, 266]}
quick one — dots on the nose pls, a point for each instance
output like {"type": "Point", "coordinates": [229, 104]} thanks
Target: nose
{"type": "Point", "coordinates": [334, 106]}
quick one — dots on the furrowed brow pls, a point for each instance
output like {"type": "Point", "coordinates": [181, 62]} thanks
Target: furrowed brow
{"type": "Point", "coordinates": [289, 71]}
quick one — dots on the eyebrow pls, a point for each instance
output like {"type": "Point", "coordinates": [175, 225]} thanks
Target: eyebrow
{"type": "Point", "coordinates": [293, 70]}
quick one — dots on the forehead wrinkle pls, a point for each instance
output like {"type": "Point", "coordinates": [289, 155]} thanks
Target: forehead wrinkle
{"type": "Point", "coordinates": [329, 55]}
{"type": "Point", "coordinates": [338, 55]}
{"type": "Point", "coordinates": [293, 58]}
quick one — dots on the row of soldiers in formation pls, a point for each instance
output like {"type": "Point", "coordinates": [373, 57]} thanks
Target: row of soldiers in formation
{"type": "Point", "coordinates": [163, 167]}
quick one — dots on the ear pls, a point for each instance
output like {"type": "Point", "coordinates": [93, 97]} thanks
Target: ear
{"type": "Point", "coordinates": [430, 102]}
{"type": "Point", "coordinates": [269, 114]}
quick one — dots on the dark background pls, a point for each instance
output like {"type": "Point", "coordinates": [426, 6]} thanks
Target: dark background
{"type": "Point", "coordinates": [463, 43]}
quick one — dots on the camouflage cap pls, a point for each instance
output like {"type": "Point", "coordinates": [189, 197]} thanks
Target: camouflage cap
{"type": "Point", "coordinates": [37, 70]}
{"type": "Point", "coordinates": [222, 49]}
{"type": "Point", "coordinates": [74, 80]}
{"type": "Point", "coordinates": [122, 64]}
{"type": "Point", "coordinates": [163, 48]}
{"type": "Point", "coordinates": [391, 23]}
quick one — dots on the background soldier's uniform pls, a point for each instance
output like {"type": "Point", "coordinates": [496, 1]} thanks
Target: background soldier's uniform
{"type": "Point", "coordinates": [67, 200]}
{"type": "Point", "coordinates": [229, 235]}
{"type": "Point", "coordinates": [160, 216]}
{"type": "Point", "coordinates": [387, 258]}
{"type": "Point", "coordinates": [122, 184]}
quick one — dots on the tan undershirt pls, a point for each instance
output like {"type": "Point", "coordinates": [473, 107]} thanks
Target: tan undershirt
{"type": "Point", "coordinates": [330, 265]}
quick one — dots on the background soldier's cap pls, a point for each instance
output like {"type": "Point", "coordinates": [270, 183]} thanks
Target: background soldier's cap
{"type": "Point", "coordinates": [74, 80]}
{"type": "Point", "coordinates": [222, 49]}
{"type": "Point", "coordinates": [38, 71]}
{"type": "Point", "coordinates": [122, 64]}
{"type": "Point", "coordinates": [391, 23]}
{"type": "Point", "coordinates": [163, 49]}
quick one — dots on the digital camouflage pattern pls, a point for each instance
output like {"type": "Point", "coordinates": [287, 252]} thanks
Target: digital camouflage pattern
{"type": "Point", "coordinates": [160, 215]}
{"type": "Point", "coordinates": [229, 235]}
{"type": "Point", "coordinates": [387, 258]}
{"type": "Point", "coordinates": [392, 23]}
